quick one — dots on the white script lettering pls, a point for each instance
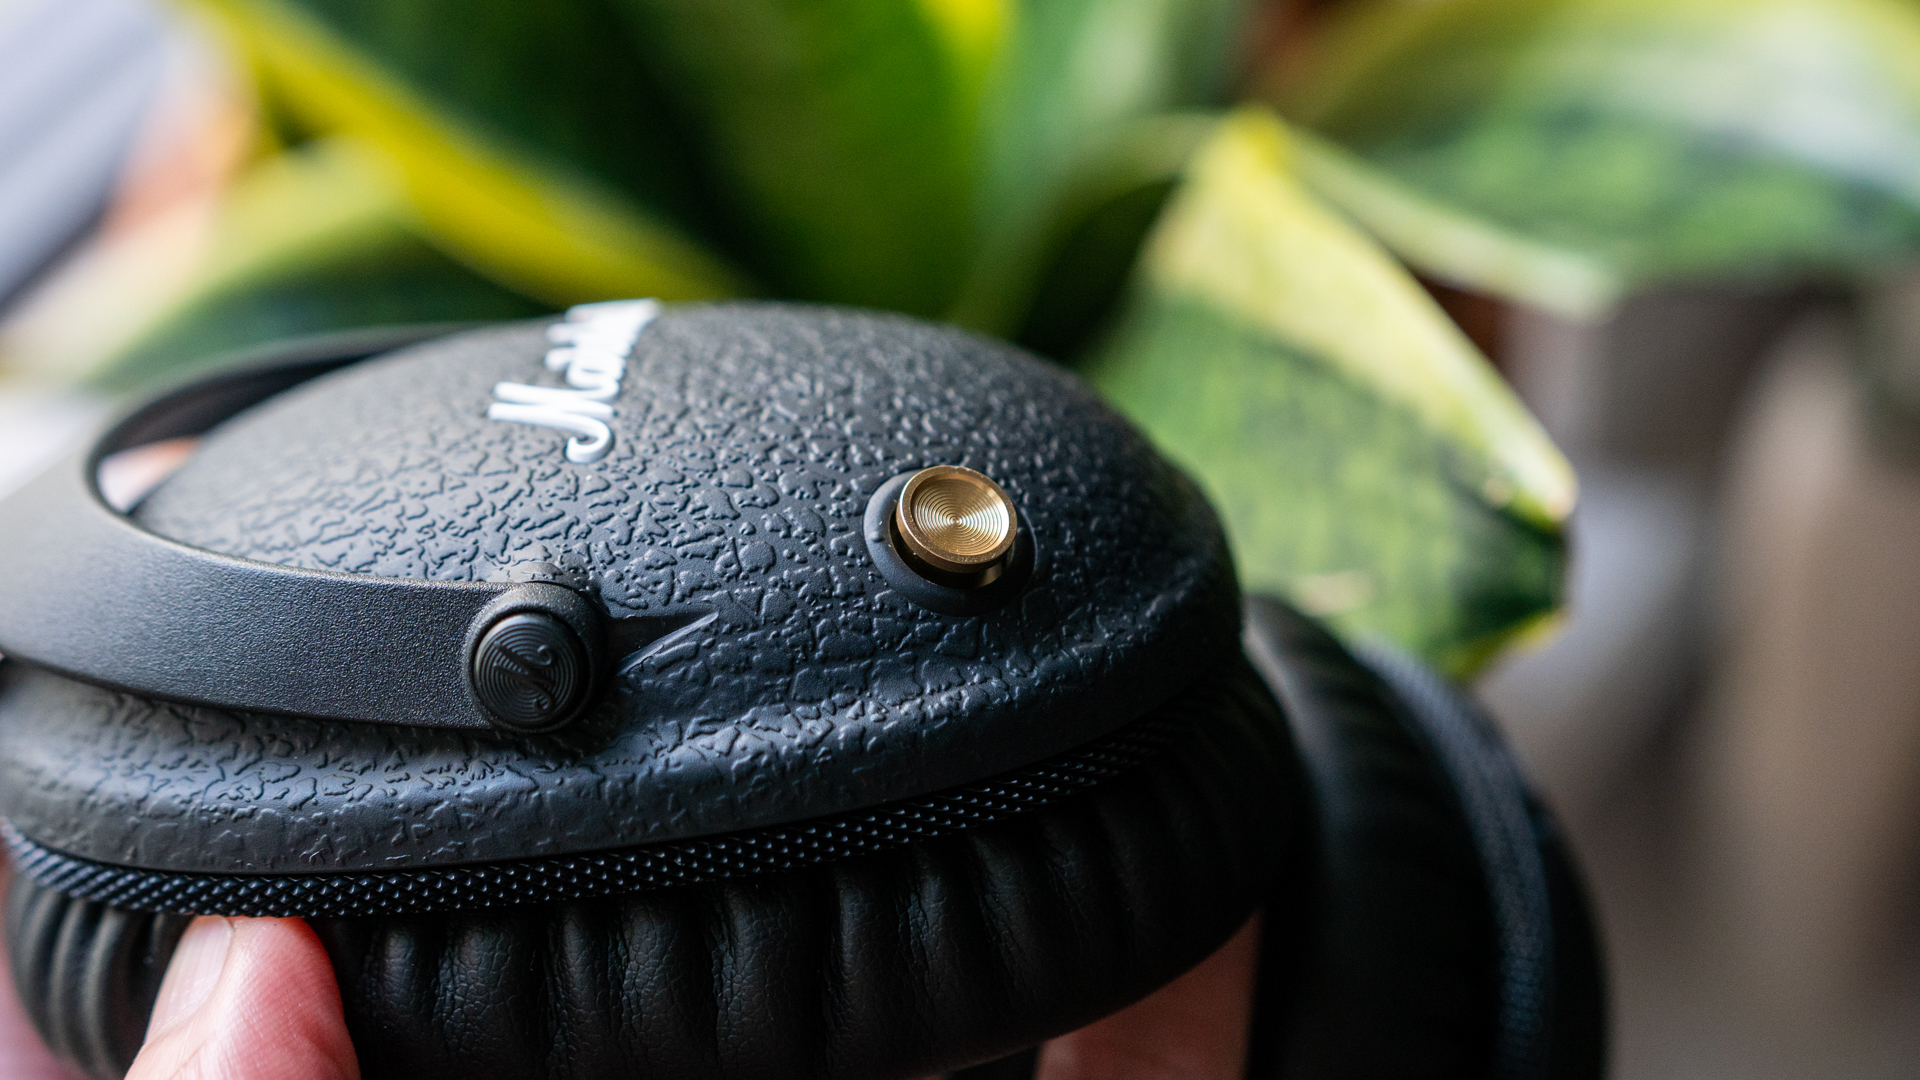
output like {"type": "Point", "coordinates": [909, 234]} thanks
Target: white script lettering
{"type": "Point", "coordinates": [590, 350]}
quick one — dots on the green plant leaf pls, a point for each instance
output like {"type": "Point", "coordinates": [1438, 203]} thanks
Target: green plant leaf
{"type": "Point", "coordinates": [533, 212]}
{"type": "Point", "coordinates": [314, 239]}
{"type": "Point", "coordinates": [391, 279]}
{"type": "Point", "coordinates": [1456, 247]}
{"type": "Point", "coordinates": [1078, 89]}
{"type": "Point", "coordinates": [929, 156]}
{"type": "Point", "coordinates": [1073, 274]}
{"type": "Point", "coordinates": [1662, 139]}
{"type": "Point", "coordinates": [1369, 464]}
{"type": "Point", "coordinates": [839, 134]}
{"type": "Point", "coordinates": [554, 83]}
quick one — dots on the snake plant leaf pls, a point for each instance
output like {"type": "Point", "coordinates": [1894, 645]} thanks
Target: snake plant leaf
{"type": "Point", "coordinates": [1072, 88]}
{"type": "Point", "coordinates": [522, 194]}
{"type": "Point", "coordinates": [1456, 247]}
{"type": "Point", "coordinates": [1666, 139]}
{"type": "Point", "coordinates": [315, 239]}
{"type": "Point", "coordinates": [549, 82]}
{"type": "Point", "coordinates": [1100, 217]}
{"type": "Point", "coordinates": [840, 134]}
{"type": "Point", "coordinates": [1369, 464]}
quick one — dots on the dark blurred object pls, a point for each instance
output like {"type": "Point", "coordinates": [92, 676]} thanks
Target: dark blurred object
{"type": "Point", "coordinates": [1656, 383]}
{"type": "Point", "coordinates": [77, 77]}
{"type": "Point", "coordinates": [1480, 316]}
{"type": "Point", "coordinates": [1810, 750]}
{"type": "Point", "coordinates": [1889, 361]}
{"type": "Point", "coordinates": [1644, 401]}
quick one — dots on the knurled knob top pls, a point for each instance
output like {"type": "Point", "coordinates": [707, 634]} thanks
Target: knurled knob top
{"type": "Point", "coordinates": [530, 671]}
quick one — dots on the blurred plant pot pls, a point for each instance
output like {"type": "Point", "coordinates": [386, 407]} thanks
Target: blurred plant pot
{"type": "Point", "coordinates": [1888, 352]}
{"type": "Point", "coordinates": [1644, 403]}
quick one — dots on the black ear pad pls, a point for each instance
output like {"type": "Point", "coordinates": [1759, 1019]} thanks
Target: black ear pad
{"type": "Point", "coordinates": [1552, 995]}
{"type": "Point", "coordinates": [900, 963]}
{"type": "Point", "coordinates": [88, 974]}
{"type": "Point", "coordinates": [1448, 936]}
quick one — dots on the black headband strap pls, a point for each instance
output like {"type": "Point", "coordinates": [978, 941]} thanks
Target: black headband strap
{"type": "Point", "coordinates": [86, 591]}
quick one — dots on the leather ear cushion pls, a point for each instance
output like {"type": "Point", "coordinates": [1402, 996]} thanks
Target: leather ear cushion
{"type": "Point", "coordinates": [898, 964]}
{"type": "Point", "coordinates": [1552, 996]}
{"type": "Point", "coordinates": [1449, 935]}
{"type": "Point", "coordinates": [87, 974]}
{"type": "Point", "coordinates": [901, 963]}
{"type": "Point", "coordinates": [1391, 970]}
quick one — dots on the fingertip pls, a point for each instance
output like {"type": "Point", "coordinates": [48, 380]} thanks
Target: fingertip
{"type": "Point", "coordinates": [1194, 1028]}
{"type": "Point", "coordinates": [198, 960]}
{"type": "Point", "coordinates": [272, 1011]}
{"type": "Point", "coordinates": [288, 994]}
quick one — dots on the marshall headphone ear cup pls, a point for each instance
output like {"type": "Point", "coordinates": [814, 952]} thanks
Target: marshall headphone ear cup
{"type": "Point", "coordinates": [87, 973]}
{"type": "Point", "coordinates": [1552, 994]}
{"type": "Point", "coordinates": [1406, 940]}
{"type": "Point", "coordinates": [903, 963]}
{"type": "Point", "coordinates": [808, 822]}
{"type": "Point", "coordinates": [1449, 934]}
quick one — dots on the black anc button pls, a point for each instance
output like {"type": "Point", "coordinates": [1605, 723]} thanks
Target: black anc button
{"type": "Point", "coordinates": [530, 671]}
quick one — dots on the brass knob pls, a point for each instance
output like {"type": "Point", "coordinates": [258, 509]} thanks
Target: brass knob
{"type": "Point", "coordinates": [955, 526]}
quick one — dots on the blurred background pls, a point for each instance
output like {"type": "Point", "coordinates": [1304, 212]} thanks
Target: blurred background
{"type": "Point", "coordinates": [1684, 233]}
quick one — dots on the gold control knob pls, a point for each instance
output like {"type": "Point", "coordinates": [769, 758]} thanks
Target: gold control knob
{"type": "Point", "coordinates": [955, 526]}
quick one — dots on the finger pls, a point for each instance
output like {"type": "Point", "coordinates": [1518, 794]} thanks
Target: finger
{"type": "Point", "coordinates": [1194, 1028]}
{"type": "Point", "coordinates": [247, 999]}
{"type": "Point", "coordinates": [22, 1055]}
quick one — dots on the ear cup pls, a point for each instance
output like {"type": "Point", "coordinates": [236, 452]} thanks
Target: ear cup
{"type": "Point", "coordinates": [900, 963]}
{"type": "Point", "coordinates": [1448, 935]}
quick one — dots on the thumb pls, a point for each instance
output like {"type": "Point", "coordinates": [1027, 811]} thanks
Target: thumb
{"type": "Point", "coordinates": [247, 999]}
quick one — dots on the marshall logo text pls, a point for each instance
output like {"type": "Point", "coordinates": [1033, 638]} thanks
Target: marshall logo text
{"type": "Point", "coordinates": [591, 349]}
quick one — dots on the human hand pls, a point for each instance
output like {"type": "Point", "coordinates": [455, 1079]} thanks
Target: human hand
{"type": "Point", "coordinates": [1194, 1028]}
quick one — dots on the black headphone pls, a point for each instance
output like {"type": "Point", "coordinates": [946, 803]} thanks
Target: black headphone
{"type": "Point", "coordinates": [690, 841]}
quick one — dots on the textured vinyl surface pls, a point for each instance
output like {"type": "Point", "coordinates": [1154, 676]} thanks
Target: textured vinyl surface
{"type": "Point", "coordinates": [900, 963]}
{"type": "Point", "coordinates": [749, 438]}
{"type": "Point", "coordinates": [571, 877]}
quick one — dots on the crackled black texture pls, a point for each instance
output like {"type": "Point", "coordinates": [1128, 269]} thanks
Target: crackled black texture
{"type": "Point", "coordinates": [540, 880]}
{"type": "Point", "coordinates": [749, 438]}
{"type": "Point", "coordinates": [899, 963]}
